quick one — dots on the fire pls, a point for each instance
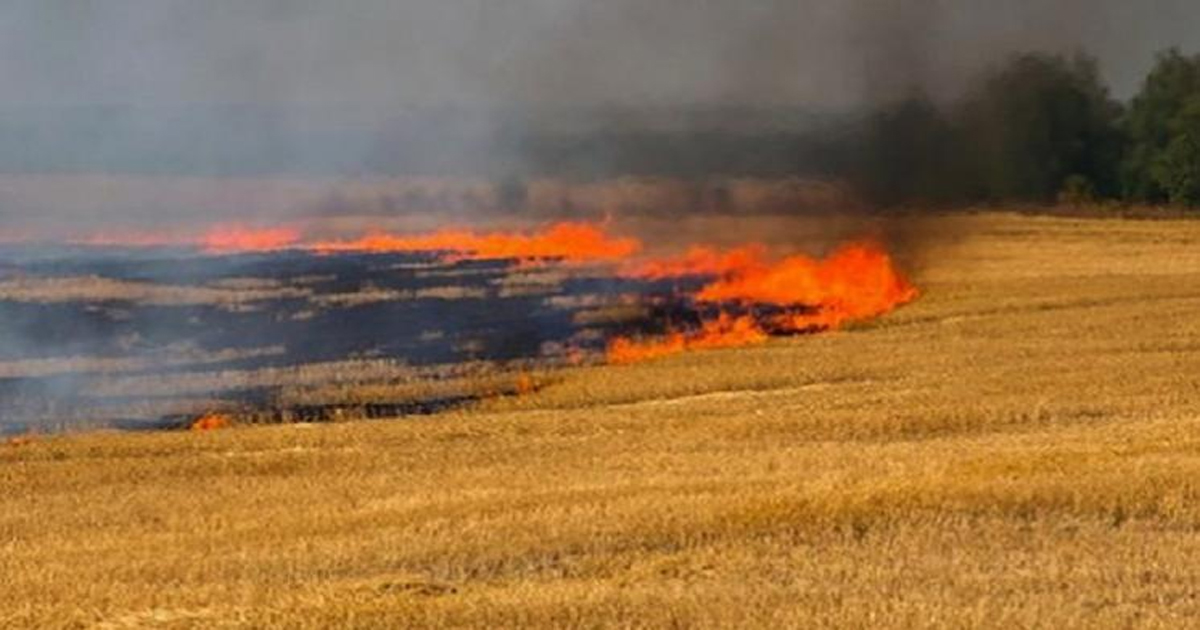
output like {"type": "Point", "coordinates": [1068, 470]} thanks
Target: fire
{"type": "Point", "coordinates": [726, 331]}
{"type": "Point", "coordinates": [226, 238]}
{"type": "Point", "coordinates": [525, 384]}
{"type": "Point", "coordinates": [211, 422]}
{"type": "Point", "coordinates": [567, 241]}
{"type": "Point", "coordinates": [856, 282]}
{"type": "Point", "coordinates": [699, 261]}
{"type": "Point", "coordinates": [757, 295]}
{"type": "Point", "coordinates": [239, 238]}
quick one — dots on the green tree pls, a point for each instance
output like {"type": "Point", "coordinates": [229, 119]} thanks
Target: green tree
{"type": "Point", "coordinates": [1163, 129]}
{"type": "Point", "coordinates": [1038, 123]}
{"type": "Point", "coordinates": [1176, 170]}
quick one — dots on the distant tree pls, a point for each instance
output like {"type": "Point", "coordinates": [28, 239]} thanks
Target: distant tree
{"type": "Point", "coordinates": [1163, 128]}
{"type": "Point", "coordinates": [1077, 190]}
{"type": "Point", "coordinates": [1176, 169]}
{"type": "Point", "coordinates": [906, 154]}
{"type": "Point", "coordinates": [1038, 123]}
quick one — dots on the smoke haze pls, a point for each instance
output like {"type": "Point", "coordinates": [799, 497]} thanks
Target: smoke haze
{"type": "Point", "coordinates": [372, 56]}
{"type": "Point", "coordinates": [311, 88]}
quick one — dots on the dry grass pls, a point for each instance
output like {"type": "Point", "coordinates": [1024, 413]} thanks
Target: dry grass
{"type": "Point", "coordinates": [173, 355]}
{"type": "Point", "coordinates": [234, 294]}
{"type": "Point", "coordinates": [308, 375]}
{"type": "Point", "coordinates": [372, 295]}
{"type": "Point", "coordinates": [1021, 447]}
{"type": "Point", "coordinates": [230, 293]}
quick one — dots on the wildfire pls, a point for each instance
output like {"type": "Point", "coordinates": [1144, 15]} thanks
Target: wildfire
{"type": "Point", "coordinates": [567, 241]}
{"type": "Point", "coordinates": [525, 384]}
{"type": "Point", "coordinates": [726, 331]}
{"type": "Point", "coordinates": [210, 422]}
{"type": "Point", "coordinates": [753, 294]}
{"type": "Point", "coordinates": [229, 238]}
{"type": "Point", "coordinates": [239, 238]}
{"type": "Point", "coordinates": [699, 261]}
{"type": "Point", "coordinates": [857, 282]}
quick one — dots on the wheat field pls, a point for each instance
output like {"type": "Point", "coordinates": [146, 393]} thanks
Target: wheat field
{"type": "Point", "coordinates": [1018, 448]}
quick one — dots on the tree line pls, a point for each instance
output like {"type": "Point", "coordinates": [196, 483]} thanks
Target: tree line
{"type": "Point", "coordinates": [1040, 128]}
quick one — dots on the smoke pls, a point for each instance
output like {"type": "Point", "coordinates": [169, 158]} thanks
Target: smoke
{"type": "Point", "coordinates": [372, 56]}
{"type": "Point", "coordinates": [139, 93]}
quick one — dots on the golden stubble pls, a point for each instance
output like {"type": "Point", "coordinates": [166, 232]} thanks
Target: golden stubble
{"type": "Point", "coordinates": [1020, 447]}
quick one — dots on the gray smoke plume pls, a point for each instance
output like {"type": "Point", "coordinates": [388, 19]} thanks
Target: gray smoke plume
{"type": "Point", "coordinates": [311, 89]}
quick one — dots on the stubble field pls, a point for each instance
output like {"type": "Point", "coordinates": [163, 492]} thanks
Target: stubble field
{"type": "Point", "coordinates": [1019, 447]}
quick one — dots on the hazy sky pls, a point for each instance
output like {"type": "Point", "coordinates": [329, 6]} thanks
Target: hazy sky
{"type": "Point", "coordinates": [326, 88]}
{"type": "Point", "coordinates": [823, 54]}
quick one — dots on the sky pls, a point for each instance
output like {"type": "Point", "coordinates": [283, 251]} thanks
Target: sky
{"type": "Point", "coordinates": [107, 103]}
{"type": "Point", "coordinates": [369, 55]}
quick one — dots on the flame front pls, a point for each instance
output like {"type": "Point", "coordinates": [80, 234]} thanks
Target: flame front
{"type": "Point", "coordinates": [700, 260]}
{"type": "Point", "coordinates": [726, 331]}
{"type": "Point", "coordinates": [753, 295]}
{"type": "Point", "coordinates": [856, 282]}
{"type": "Point", "coordinates": [225, 238]}
{"type": "Point", "coordinates": [238, 238]}
{"type": "Point", "coordinates": [211, 422]}
{"type": "Point", "coordinates": [567, 241]}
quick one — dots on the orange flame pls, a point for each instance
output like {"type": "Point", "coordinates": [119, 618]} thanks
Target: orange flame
{"type": "Point", "coordinates": [211, 422]}
{"type": "Point", "coordinates": [568, 241]}
{"type": "Point", "coordinates": [699, 261]}
{"type": "Point", "coordinates": [220, 239]}
{"type": "Point", "coordinates": [857, 282]}
{"type": "Point", "coordinates": [525, 384]}
{"type": "Point", "coordinates": [239, 238]}
{"type": "Point", "coordinates": [724, 332]}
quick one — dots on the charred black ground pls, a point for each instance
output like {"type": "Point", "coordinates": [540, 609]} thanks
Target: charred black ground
{"type": "Point", "coordinates": [138, 339]}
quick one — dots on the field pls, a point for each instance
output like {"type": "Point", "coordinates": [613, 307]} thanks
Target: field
{"type": "Point", "coordinates": [1019, 447]}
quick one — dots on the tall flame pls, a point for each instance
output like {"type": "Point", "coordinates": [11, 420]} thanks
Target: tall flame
{"type": "Point", "coordinates": [857, 281]}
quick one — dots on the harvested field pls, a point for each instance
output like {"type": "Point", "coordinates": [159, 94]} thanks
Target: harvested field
{"type": "Point", "coordinates": [1018, 447]}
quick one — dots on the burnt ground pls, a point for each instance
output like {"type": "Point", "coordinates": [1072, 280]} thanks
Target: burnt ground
{"type": "Point", "coordinates": [172, 357]}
